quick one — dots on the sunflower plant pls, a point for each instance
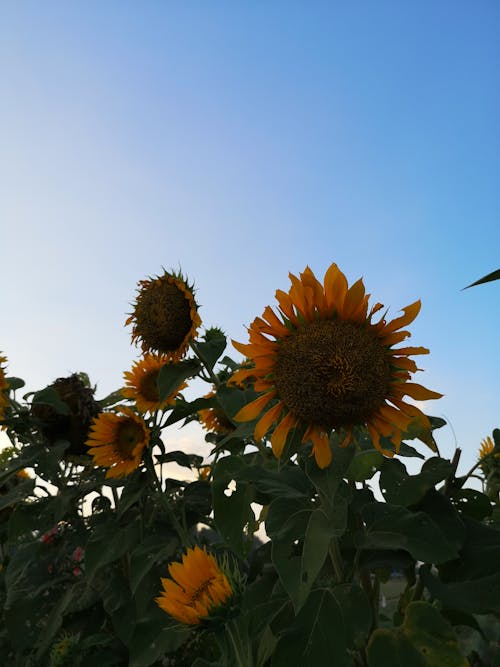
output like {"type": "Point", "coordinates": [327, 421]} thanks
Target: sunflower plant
{"type": "Point", "coordinates": [316, 524]}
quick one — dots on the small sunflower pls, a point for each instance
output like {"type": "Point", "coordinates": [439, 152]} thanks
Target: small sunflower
{"type": "Point", "coordinates": [197, 587]}
{"type": "Point", "coordinates": [486, 449]}
{"type": "Point", "coordinates": [142, 384]}
{"type": "Point", "coordinates": [117, 441]}
{"type": "Point", "coordinates": [323, 365]}
{"type": "Point", "coordinates": [4, 385]}
{"type": "Point", "coordinates": [165, 316]}
{"type": "Point", "coordinates": [215, 420]}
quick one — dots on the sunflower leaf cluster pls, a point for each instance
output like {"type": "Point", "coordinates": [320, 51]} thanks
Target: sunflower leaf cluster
{"type": "Point", "coordinates": [313, 522]}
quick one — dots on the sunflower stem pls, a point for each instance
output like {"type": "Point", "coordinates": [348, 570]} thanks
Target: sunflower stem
{"type": "Point", "coordinates": [336, 558]}
{"type": "Point", "coordinates": [242, 651]}
{"type": "Point", "coordinates": [166, 505]}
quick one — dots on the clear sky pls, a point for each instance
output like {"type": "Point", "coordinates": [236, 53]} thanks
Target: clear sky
{"type": "Point", "coordinates": [242, 140]}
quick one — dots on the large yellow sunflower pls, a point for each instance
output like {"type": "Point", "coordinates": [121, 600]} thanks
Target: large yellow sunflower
{"type": "Point", "coordinates": [142, 384]}
{"type": "Point", "coordinates": [323, 364]}
{"type": "Point", "coordinates": [117, 441]}
{"type": "Point", "coordinates": [4, 385]}
{"type": "Point", "coordinates": [165, 317]}
{"type": "Point", "coordinates": [196, 588]}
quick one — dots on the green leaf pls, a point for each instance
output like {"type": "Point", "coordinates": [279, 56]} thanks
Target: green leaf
{"type": "Point", "coordinates": [49, 396]}
{"type": "Point", "coordinates": [364, 465]}
{"type": "Point", "coordinates": [286, 524]}
{"type": "Point", "coordinates": [154, 549]}
{"type": "Point", "coordinates": [197, 498]}
{"type": "Point", "coordinates": [395, 527]}
{"type": "Point", "coordinates": [111, 399]}
{"type": "Point", "coordinates": [54, 622]}
{"type": "Point", "coordinates": [316, 638]}
{"type": "Point", "coordinates": [171, 376]}
{"type": "Point", "coordinates": [211, 350]}
{"type": "Point", "coordinates": [425, 639]}
{"type": "Point", "coordinates": [285, 482]}
{"type": "Point", "coordinates": [15, 383]}
{"type": "Point", "coordinates": [402, 489]}
{"type": "Point", "coordinates": [135, 487]}
{"type": "Point", "coordinates": [20, 491]}
{"type": "Point", "coordinates": [108, 544]}
{"type": "Point", "coordinates": [327, 480]}
{"type": "Point", "coordinates": [445, 516]}
{"type": "Point", "coordinates": [472, 582]}
{"type": "Point", "coordinates": [472, 503]}
{"type": "Point", "coordinates": [356, 612]}
{"type": "Point", "coordinates": [153, 637]}
{"type": "Point", "coordinates": [232, 511]}
{"type": "Point", "coordinates": [181, 458]}
{"type": "Point", "coordinates": [184, 409]}
{"type": "Point", "coordinates": [494, 275]}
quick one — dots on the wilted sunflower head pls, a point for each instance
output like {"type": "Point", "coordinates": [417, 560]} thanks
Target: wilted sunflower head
{"type": "Point", "coordinates": [74, 426]}
{"type": "Point", "coordinates": [4, 385]}
{"type": "Point", "coordinates": [197, 587]}
{"type": "Point", "coordinates": [165, 316]}
{"type": "Point", "coordinates": [142, 384]}
{"type": "Point", "coordinates": [323, 364]}
{"type": "Point", "coordinates": [117, 441]}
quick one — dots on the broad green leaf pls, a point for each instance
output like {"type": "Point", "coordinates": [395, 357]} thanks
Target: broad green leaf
{"type": "Point", "coordinates": [211, 350]}
{"type": "Point", "coordinates": [472, 503]}
{"type": "Point", "coordinates": [181, 458]}
{"type": "Point", "coordinates": [395, 527]}
{"type": "Point", "coordinates": [20, 491]}
{"type": "Point", "coordinates": [109, 544]}
{"type": "Point", "coordinates": [287, 482]}
{"type": "Point", "coordinates": [111, 399]}
{"type": "Point", "coordinates": [317, 637]}
{"type": "Point", "coordinates": [445, 516]}
{"type": "Point", "coordinates": [155, 549]}
{"type": "Point", "coordinates": [286, 524]}
{"type": "Point", "coordinates": [356, 613]}
{"type": "Point", "coordinates": [136, 486]}
{"type": "Point", "coordinates": [364, 465]}
{"type": "Point", "coordinates": [232, 507]}
{"type": "Point", "coordinates": [153, 637]}
{"type": "Point", "coordinates": [426, 639]}
{"type": "Point", "coordinates": [49, 396]}
{"type": "Point", "coordinates": [15, 383]}
{"type": "Point", "coordinates": [54, 622]}
{"type": "Point", "coordinates": [171, 376]}
{"type": "Point", "coordinates": [399, 488]}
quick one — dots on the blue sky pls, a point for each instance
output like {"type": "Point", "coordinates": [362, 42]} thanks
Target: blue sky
{"type": "Point", "coordinates": [241, 141]}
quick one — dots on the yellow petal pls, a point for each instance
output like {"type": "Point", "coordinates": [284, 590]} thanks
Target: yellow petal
{"type": "Point", "coordinates": [253, 409]}
{"type": "Point", "coordinates": [278, 438]}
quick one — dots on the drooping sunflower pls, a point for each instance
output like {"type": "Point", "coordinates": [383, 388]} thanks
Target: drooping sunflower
{"type": "Point", "coordinates": [73, 426]}
{"type": "Point", "coordinates": [165, 316]}
{"type": "Point", "coordinates": [486, 449]}
{"type": "Point", "coordinates": [215, 420]}
{"type": "Point", "coordinates": [323, 364]}
{"type": "Point", "coordinates": [142, 384]}
{"type": "Point", "coordinates": [117, 441]}
{"type": "Point", "coordinates": [4, 385]}
{"type": "Point", "coordinates": [198, 586]}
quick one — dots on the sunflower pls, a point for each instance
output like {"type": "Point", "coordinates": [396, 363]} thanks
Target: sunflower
{"type": "Point", "coordinates": [196, 588]}
{"type": "Point", "coordinates": [117, 441]}
{"type": "Point", "coordinates": [323, 364]}
{"type": "Point", "coordinates": [215, 420]}
{"type": "Point", "coordinates": [4, 385]}
{"type": "Point", "coordinates": [142, 384]}
{"type": "Point", "coordinates": [165, 316]}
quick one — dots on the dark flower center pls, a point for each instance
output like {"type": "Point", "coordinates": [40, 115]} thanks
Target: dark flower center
{"type": "Point", "coordinates": [128, 435]}
{"type": "Point", "coordinates": [163, 316]}
{"type": "Point", "coordinates": [332, 373]}
{"type": "Point", "coordinates": [148, 386]}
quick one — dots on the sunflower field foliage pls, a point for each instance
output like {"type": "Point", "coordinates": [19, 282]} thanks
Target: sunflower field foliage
{"type": "Point", "coordinates": [316, 523]}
